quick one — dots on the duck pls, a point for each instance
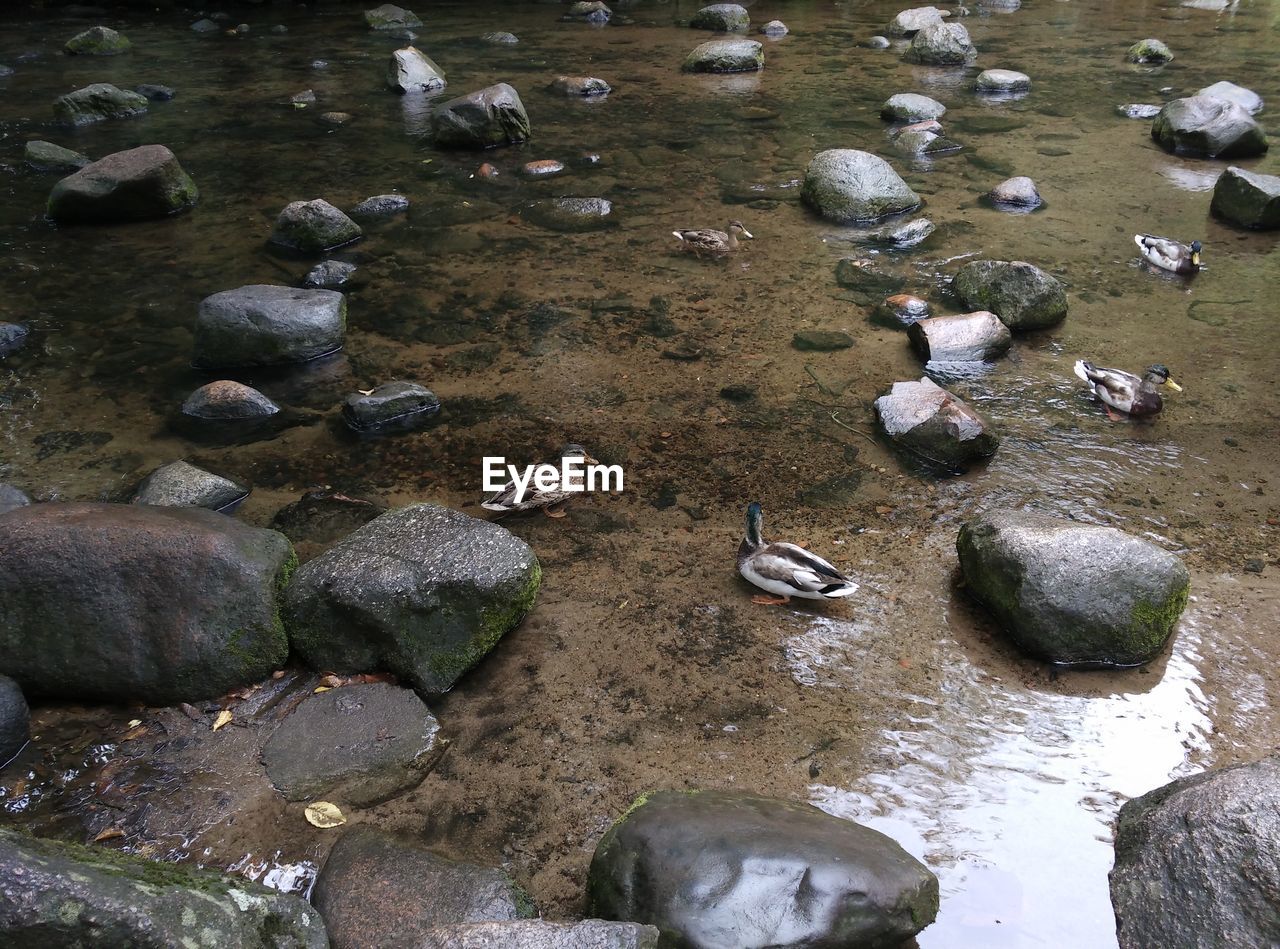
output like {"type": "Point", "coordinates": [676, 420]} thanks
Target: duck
{"type": "Point", "coordinates": [1126, 392]}
{"type": "Point", "coordinates": [1170, 255]}
{"type": "Point", "coordinates": [786, 570]}
{"type": "Point", "coordinates": [550, 501]}
{"type": "Point", "coordinates": [706, 242]}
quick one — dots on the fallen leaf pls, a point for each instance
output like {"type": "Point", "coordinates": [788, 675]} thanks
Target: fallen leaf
{"type": "Point", "coordinates": [331, 681]}
{"type": "Point", "coordinates": [134, 723]}
{"type": "Point", "coordinates": [111, 833]}
{"type": "Point", "coordinates": [322, 688]}
{"type": "Point", "coordinates": [322, 814]}
{"type": "Point", "coordinates": [224, 718]}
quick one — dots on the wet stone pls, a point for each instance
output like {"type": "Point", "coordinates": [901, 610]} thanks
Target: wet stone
{"type": "Point", "coordinates": [392, 406]}
{"type": "Point", "coordinates": [389, 17]}
{"type": "Point", "coordinates": [911, 107]}
{"type": "Point", "coordinates": [411, 70]}
{"type": "Point", "coordinates": [821, 341]}
{"type": "Point", "coordinates": [1018, 192]}
{"type": "Point", "coordinates": [848, 186]}
{"type": "Point", "coordinates": [540, 934]}
{"type": "Point", "coordinates": [941, 44]}
{"type": "Point", "coordinates": [580, 86]}
{"type": "Point", "coordinates": [206, 26]}
{"type": "Point", "coordinates": [1206, 127]}
{"type": "Point", "coordinates": [965, 337]}
{"type": "Point", "coordinates": [15, 717]}
{"type": "Point", "coordinates": [499, 39]}
{"type": "Point", "coordinates": [13, 336]}
{"type": "Point", "coordinates": [544, 168]}
{"type": "Point", "coordinates": [571, 215]}
{"type": "Point", "coordinates": [304, 98]}
{"type": "Point", "coordinates": [867, 282]}
{"type": "Point", "coordinates": [901, 309]}
{"type": "Point", "coordinates": [98, 41]}
{"type": "Point", "coordinates": [153, 92]}
{"type": "Point", "coordinates": [1001, 82]}
{"type": "Point", "coordinates": [226, 399]}
{"type": "Point", "coordinates": [11, 497]}
{"type": "Point", "coordinates": [381, 205]}
{"type": "Point", "coordinates": [1247, 99]}
{"type": "Point", "coordinates": [904, 234]}
{"type": "Point", "coordinates": [722, 18]}
{"type": "Point", "coordinates": [329, 275]}
{"type": "Point", "coordinates": [921, 142]}
{"type": "Point", "coordinates": [588, 11]}
{"type": "Point", "coordinates": [313, 226]}
{"type": "Point", "coordinates": [490, 117]}
{"type": "Point", "coordinates": [775, 28]}
{"type": "Point", "coordinates": [324, 516]}
{"type": "Point", "coordinates": [180, 484]}
{"type": "Point", "coordinates": [264, 325]}
{"type": "Point", "coordinates": [134, 185]}
{"type": "Point", "coordinates": [1149, 52]}
{"type": "Point", "coordinates": [98, 102]}
{"type": "Point", "coordinates": [912, 21]}
{"type": "Point", "coordinates": [1138, 110]}
{"type": "Point", "coordinates": [336, 118]}
{"type": "Point", "coordinates": [1245, 198]}
{"type": "Point", "coordinates": [1022, 295]}
{"type": "Point", "coordinates": [928, 421]}
{"type": "Point", "coordinates": [726, 56]}
{"type": "Point", "coordinates": [878, 42]}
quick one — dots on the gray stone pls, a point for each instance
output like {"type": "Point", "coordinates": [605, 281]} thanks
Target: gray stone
{"type": "Point", "coordinates": [180, 484]}
{"type": "Point", "coordinates": [336, 118]}
{"type": "Point", "coordinates": [1138, 110]}
{"type": "Point", "coordinates": [411, 70]}
{"type": "Point", "coordinates": [15, 730]}
{"type": "Point", "coordinates": [490, 117]}
{"type": "Point", "coordinates": [1017, 192]}
{"type": "Point", "coordinates": [725, 56]}
{"type": "Point", "coordinates": [381, 205]}
{"type": "Point", "coordinates": [713, 869]}
{"type": "Point", "coordinates": [910, 22]}
{"type": "Point", "coordinates": [389, 17]}
{"type": "Point", "coordinates": [96, 103]}
{"type": "Point", "coordinates": [324, 516]}
{"type": "Point", "coordinates": [900, 309]}
{"type": "Point", "coordinates": [1207, 127]}
{"type": "Point", "coordinates": [358, 744]}
{"type": "Point", "coordinates": [392, 406]}
{"type": "Point", "coordinates": [97, 41]}
{"type": "Point", "coordinates": [911, 107]}
{"type": "Point", "coordinates": [500, 39]}
{"type": "Point", "coordinates": [1247, 99]}
{"type": "Point", "coordinates": [821, 341]}
{"type": "Point", "coordinates": [580, 86]}
{"type": "Point", "coordinates": [1072, 593]}
{"type": "Point", "coordinates": [927, 420]}
{"type": "Point", "coordinates": [540, 934]}
{"type": "Point", "coordinates": [423, 592]}
{"type": "Point", "coordinates": [11, 497]}
{"type": "Point", "coordinates": [775, 28]}
{"type": "Point", "coordinates": [1149, 52]}
{"type": "Point", "coordinates": [304, 98]}
{"type": "Point", "coordinates": [124, 602]}
{"type": "Point", "coordinates": [722, 17]}
{"type": "Point", "coordinates": [941, 44]}
{"type": "Point", "coordinates": [570, 215]}
{"type": "Point", "coordinates": [849, 186]}
{"type": "Point", "coordinates": [154, 92]}
{"type": "Point", "coordinates": [963, 337]}
{"type": "Point", "coordinates": [13, 336]}
{"type": "Point", "coordinates": [263, 325]}
{"type": "Point", "coordinates": [921, 141]}
{"type": "Point", "coordinates": [1198, 861]}
{"type": "Point", "coordinates": [1247, 198]}
{"type": "Point", "coordinates": [1001, 82]}
{"type": "Point", "coordinates": [1022, 295]}
{"type": "Point", "coordinates": [878, 42]}
{"type": "Point", "coordinates": [329, 274]}
{"type": "Point", "coordinates": [904, 234]}
{"type": "Point", "coordinates": [588, 11]}
{"type": "Point", "coordinates": [138, 184]}
{"type": "Point", "coordinates": [205, 26]}
{"type": "Point", "coordinates": [63, 895]}
{"type": "Point", "coordinates": [226, 399]}
{"type": "Point", "coordinates": [313, 227]}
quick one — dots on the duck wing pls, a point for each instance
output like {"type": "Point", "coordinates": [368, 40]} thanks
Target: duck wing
{"type": "Point", "coordinates": [799, 569]}
{"type": "Point", "coordinates": [1117, 388]}
{"type": "Point", "coordinates": [1162, 251]}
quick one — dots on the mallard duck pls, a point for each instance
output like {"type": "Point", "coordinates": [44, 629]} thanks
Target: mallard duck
{"type": "Point", "coordinates": [551, 501]}
{"type": "Point", "coordinates": [1126, 392]}
{"type": "Point", "coordinates": [785, 569]}
{"type": "Point", "coordinates": [1169, 254]}
{"type": "Point", "coordinates": [706, 242]}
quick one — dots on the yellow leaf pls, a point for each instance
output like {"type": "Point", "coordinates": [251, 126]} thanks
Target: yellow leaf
{"type": "Point", "coordinates": [224, 718]}
{"type": "Point", "coordinates": [322, 688]}
{"type": "Point", "coordinates": [323, 814]}
{"type": "Point", "coordinates": [134, 722]}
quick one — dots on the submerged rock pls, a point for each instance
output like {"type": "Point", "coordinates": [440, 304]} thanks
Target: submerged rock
{"type": "Point", "coordinates": [722, 18]}
{"type": "Point", "coordinates": [46, 156]}
{"type": "Point", "coordinates": [1247, 198]}
{"type": "Point", "coordinates": [381, 205]}
{"type": "Point", "coordinates": [540, 934]}
{"type": "Point", "coordinates": [931, 422]}
{"type": "Point", "coordinates": [1247, 99]}
{"type": "Point", "coordinates": [911, 107]}
{"type": "Point", "coordinates": [226, 399]}
{"type": "Point", "coordinates": [866, 282]}
{"type": "Point", "coordinates": [1073, 593]}
{"type": "Point", "coordinates": [850, 186]}
{"type": "Point", "coordinates": [906, 234]}
{"type": "Point", "coordinates": [313, 226]}
{"type": "Point", "coordinates": [390, 17]}
{"type": "Point", "coordinates": [13, 336]}
{"type": "Point", "coordinates": [964, 337]}
{"type": "Point", "coordinates": [180, 484]}
{"type": "Point", "coordinates": [542, 168]}
{"type": "Point", "coordinates": [500, 38]}
{"type": "Point", "coordinates": [392, 406]}
{"type": "Point", "coordinates": [725, 56]}
{"type": "Point", "coordinates": [580, 86]}
{"type": "Point", "coordinates": [323, 516]}
{"type": "Point", "coordinates": [821, 341]}
{"type": "Point", "coordinates": [329, 275]}
{"type": "Point", "coordinates": [205, 26]}
{"type": "Point", "coordinates": [15, 722]}
{"type": "Point", "coordinates": [571, 215]}
{"type": "Point", "coordinates": [1138, 110]}
{"type": "Point", "coordinates": [264, 325]}
{"type": "Point", "coordinates": [1206, 127]}
{"type": "Point", "coordinates": [1150, 51]}
{"type": "Point", "coordinates": [901, 309]}
{"type": "Point", "coordinates": [1017, 192]}
{"type": "Point", "coordinates": [1022, 295]}
{"type": "Point", "coordinates": [1198, 861]}
{"type": "Point", "coordinates": [98, 41]}
{"type": "Point", "coordinates": [154, 92]}
{"type": "Point", "coordinates": [924, 141]}
{"type": "Point", "coordinates": [134, 185]}
{"type": "Point", "coordinates": [493, 116]}
{"type": "Point", "coordinates": [910, 22]}
{"type": "Point", "coordinates": [775, 28]}
{"type": "Point", "coordinates": [700, 866]}
{"type": "Point", "coordinates": [878, 42]}
{"type": "Point", "coordinates": [123, 602]}
{"type": "Point", "coordinates": [411, 70]}
{"type": "Point", "coordinates": [98, 102]}
{"type": "Point", "coordinates": [1001, 82]}
{"type": "Point", "coordinates": [941, 44]}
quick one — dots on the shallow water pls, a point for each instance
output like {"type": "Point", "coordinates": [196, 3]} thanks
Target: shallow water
{"type": "Point", "coordinates": [644, 664]}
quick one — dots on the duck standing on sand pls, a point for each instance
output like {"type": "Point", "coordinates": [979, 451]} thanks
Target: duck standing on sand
{"type": "Point", "coordinates": [1126, 392]}
{"type": "Point", "coordinates": [786, 570]}
{"type": "Point", "coordinates": [1169, 254]}
{"type": "Point", "coordinates": [706, 242]}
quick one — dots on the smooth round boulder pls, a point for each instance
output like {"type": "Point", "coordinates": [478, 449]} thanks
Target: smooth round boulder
{"type": "Point", "coordinates": [928, 421]}
{"type": "Point", "coordinates": [850, 186]}
{"type": "Point", "coordinates": [1247, 199]}
{"type": "Point", "coordinates": [181, 484]}
{"type": "Point", "coordinates": [226, 400]}
{"type": "Point", "coordinates": [1071, 593]}
{"type": "Point", "coordinates": [15, 720]}
{"type": "Point", "coordinates": [1149, 52]}
{"type": "Point", "coordinates": [97, 41]}
{"type": "Point", "coordinates": [941, 44]}
{"type": "Point", "coordinates": [725, 56]}
{"type": "Point", "coordinates": [46, 156]}
{"type": "Point", "coordinates": [265, 325]}
{"type": "Point", "coordinates": [1001, 82]}
{"type": "Point", "coordinates": [135, 185]}
{"type": "Point", "coordinates": [963, 337]}
{"type": "Point", "coordinates": [1019, 192]}
{"type": "Point", "coordinates": [329, 275]}
{"type": "Point", "coordinates": [1208, 127]}
{"type": "Point", "coordinates": [392, 406]}
{"type": "Point", "coordinates": [390, 18]}
{"type": "Point", "coordinates": [490, 117]}
{"type": "Point", "coordinates": [585, 86]}
{"type": "Point", "coordinates": [1022, 295]}
{"type": "Point", "coordinates": [911, 107]}
{"type": "Point", "coordinates": [97, 103]}
{"type": "Point", "coordinates": [1247, 99]}
{"type": "Point", "coordinates": [412, 70]}
{"type": "Point", "coordinates": [721, 18]}
{"type": "Point", "coordinates": [700, 866]}
{"type": "Point", "coordinates": [313, 227]}
{"type": "Point", "coordinates": [912, 21]}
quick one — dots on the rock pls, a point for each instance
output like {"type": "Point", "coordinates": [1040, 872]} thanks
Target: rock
{"type": "Point", "coordinates": [965, 337]}
{"type": "Point", "coordinates": [905, 234]}
{"type": "Point", "coordinates": [493, 116]}
{"type": "Point", "coordinates": [1149, 51]}
{"type": "Point", "coordinates": [323, 516]}
{"type": "Point", "coordinates": [329, 274]}
{"type": "Point", "coordinates": [336, 118]}
{"type": "Point", "coordinates": [15, 727]}
{"type": "Point", "coordinates": [1198, 861]}
{"type": "Point", "coordinates": [878, 42]}
{"type": "Point", "coordinates": [304, 98]}
{"type": "Point", "coordinates": [228, 400]}
{"type": "Point", "coordinates": [910, 107]}
{"type": "Point", "coordinates": [279, 29]}
{"type": "Point", "coordinates": [96, 896]}
{"type": "Point", "coordinates": [849, 186]}
{"type": "Point", "coordinates": [901, 309]}
{"type": "Point", "coordinates": [588, 11]}
{"type": "Point", "coordinates": [412, 70]}
{"type": "Point", "coordinates": [381, 205]}
{"type": "Point", "coordinates": [1073, 593]}
{"type": "Point", "coordinates": [867, 283]}
{"type": "Point", "coordinates": [701, 865]}
{"type": "Point", "coordinates": [570, 215]}
{"type": "Point", "coordinates": [5, 71]}
{"type": "Point", "coordinates": [910, 22]}
{"type": "Point", "coordinates": [134, 185]}
{"type": "Point", "coordinates": [1023, 296]}
{"type": "Point", "coordinates": [544, 168]}
{"type": "Point", "coordinates": [916, 141]}
{"type": "Point", "coordinates": [1247, 99]}
{"type": "Point", "coordinates": [540, 934]}
{"type": "Point", "coordinates": [722, 18]}
{"type": "Point", "coordinates": [205, 26]}
{"type": "Point", "coordinates": [931, 422]}
{"type": "Point", "coordinates": [11, 497]}
{"type": "Point", "coordinates": [180, 484]}
{"type": "Point", "coordinates": [371, 892]}
{"type": "Point", "coordinates": [775, 28]}
{"type": "Point", "coordinates": [1205, 127]}
{"type": "Point", "coordinates": [98, 102]}
{"type": "Point", "coordinates": [46, 156]}
{"type": "Point", "coordinates": [263, 325]}
{"type": "Point", "coordinates": [1001, 82]}
{"type": "Point", "coordinates": [154, 92]}
{"type": "Point", "coordinates": [391, 17]}
{"type": "Point", "coordinates": [821, 341]}
{"type": "Point", "coordinates": [941, 44]}
{"type": "Point", "coordinates": [313, 226]}
{"type": "Point", "coordinates": [499, 39]}
{"type": "Point", "coordinates": [97, 41]}
{"type": "Point", "coordinates": [123, 602]}
{"type": "Point", "coordinates": [1018, 192]}
{"type": "Point", "coordinates": [392, 406]}
{"type": "Point", "coordinates": [1138, 110]}
{"type": "Point", "coordinates": [580, 86]}
{"type": "Point", "coordinates": [358, 744]}
{"type": "Point", "coordinates": [1247, 198]}
{"type": "Point", "coordinates": [725, 56]}
{"type": "Point", "coordinates": [13, 336]}
{"type": "Point", "coordinates": [422, 592]}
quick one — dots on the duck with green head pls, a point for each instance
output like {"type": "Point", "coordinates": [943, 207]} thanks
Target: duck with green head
{"type": "Point", "coordinates": [1126, 392]}
{"type": "Point", "coordinates": [1168, 254]}
{"type": "Point", "coordinates": [786, 570]}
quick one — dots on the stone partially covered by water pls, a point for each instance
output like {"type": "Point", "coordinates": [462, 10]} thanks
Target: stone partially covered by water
{"type": "Point", "coordinates": [540, 934]}
{"type": "Point", "coordinates": [1198, 861]}
{"type": "Point", "coordinates": [98, 41]}
{"type": "Point", "coordinates": [490, 117]}
{"type": "Point", "coordinates": [935, 424]}
{"type": "Point", "coordinates": [722, 18]}
{"type": "Point", "coordinates": [1247, 198]}
{"type": "Point", "coordinates": [134, 185]}
{"type": "Point", "coordinates": [865, 280]}
{"type": "Point", "coordinates": [411, 70]}
{"type": "Point", "coordinates": [46, 156]}
{"type": "Point", "coordinates": [155, 92]}
{"type": "Point", "coordinates": [1208, 127]}
{"type": "Point", "coordinates": [1149, 52]}
{"type": "Point", "coordinates": [181, 484]}
{"type": "Point", "coordinates": [314, 226]}
{"type": "Point", "coordinates": [265, 325]}
{"type": "Point", "coordinates": [381, 205]}
{"type": "Point", "coordinates": [963, 337]}
{"type": "Point", "coordinates": [1021, 294]}
{"type": "Point", "coordinates": [500, 38]}
{"type": "Point", "coordinates": [1019, 192]}
{"type": "Point", "coordinates": [392, 406]}
{"type": "Point", "coordinates": [911, 107]}
{"type": "Point", "coordinates": [1138, 110]}
{"type": "Point", "coordinates": [941, 44]}
{"type": "Point", "coordinates": [900, 310]}
{"type": "Point", "coordinates": [588, 11]}
{"type": "Point", "coordinates": [580, 86]}
{"type": "Point", "coordinates": [726, 56]}
{"type": "Point", "coordinates": [13, 336]}
{"type": "Point", "coordinates": [226, 399]}
{"type": "Point", "coordinates": [775, 28]}
{"type": "Point", "coordinates": [821, 341]}
{"type": "Point", "coordinates": [721, 868]}
{"type": "Point", "coordinates": [389, 18]}
{"type": "Point", "coordinates": [570, 215]}
{"type": "Point", "coordinates": [81, 896]}
{"type": "Point", "coordinates": [329, 275]}
{"type": "Point", "coordinates": [1001, 82]}
{"type": "Point", "coordinates": [912, 21]}
{"type": "Point", "coordinates": [1072, 593]}
{"type": "Point", "coordinates": [15, 720]}
{"type": "Point", "coordinates": [850, 186]}
{"type": "Point", "coordinates": [359, 744]}
{"type": "Point", "coordinates": [1247, 99]}
{"type": "Point", "coordinates": [423, 592]}
{"type": "Point", "coordinates": [98, 102]}
{"type": "Point", "coordinates": [124, 602]}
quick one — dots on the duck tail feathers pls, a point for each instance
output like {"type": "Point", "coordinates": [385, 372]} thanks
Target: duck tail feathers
{"type": "Point", "coordinates": [1141, 240]}
{"type": "Point", "coordinates": [677, 235]}
{"type": "Point", "coordinates": [1083, 368]}
{"type": "Point", "coordinates": [834, 591]}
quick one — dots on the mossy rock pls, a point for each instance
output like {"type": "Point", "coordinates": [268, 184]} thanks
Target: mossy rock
{"type": "Point", "coordinates": [1149, 52]}
{"type": "Point", "coordinates": [726, 56]}
{"type": "Point", "coordinates": [98, 41]}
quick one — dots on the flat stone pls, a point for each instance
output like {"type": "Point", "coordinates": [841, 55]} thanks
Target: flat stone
{"type": "Point", "coordinates": [540, 934]}
{"type": "Point", "coordinates": [588, 11]}
{"type": "Point", "coordinates": [336, 118]}
{"type": "Point", "coordinates": [205, 26]}
{"type": "Point", "coordinates": [725, 56]}
{"type": "Point", "coordinates": [1018, 192]}
{"type": "Point", "coordinates": [46, 156]}
{"type": "Point", "coordinates": [928, 421]}
{"type": "Point", "coordinates": [392, 406]}
{"type": "Point", "coordinates": [911, 107]}
{"type": "Point", "coordinates": [1001, 81]}
{"type": "Point", "coordinates": [381, 205]}
{"type": "Point", "coordinates": [543, 168]}
{"type": "Point", "coordinates": [499, 39]}
{"type": "Point", "coordinates": [570, 215]}
{"type": "Point", "coordinates": [264, 325]}
{"type": "Point", "coordinates": [580, 86]}
{"type": "Point", "coordinates": [866, 281]}
{"type": "Point", "coordinates": [226, 399]}
{"type": "Point", "coordinates": [180, 484]}
{"type": "Point", "coordinates": [821, 341]}
{"type": "Point", "coordinates": [1138, 110]}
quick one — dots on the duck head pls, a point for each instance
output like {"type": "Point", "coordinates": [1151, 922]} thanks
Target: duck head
{"type": "Point", "coordinates": [1195, 253]}
{"type": "Point", "coordinates": [1158, 375]}
{"type": "Point", "coordinates": [737, 227]}
{"type": "Point", "coordinates": [755, 520]}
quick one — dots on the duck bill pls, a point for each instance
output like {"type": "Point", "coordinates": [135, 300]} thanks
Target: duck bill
{"type": "Point", "coordinates": [746, 233]}
{"type": "Point", "coordinates": [1173, 385]}
{"type": "Point", "coordinates": [1195, 257]}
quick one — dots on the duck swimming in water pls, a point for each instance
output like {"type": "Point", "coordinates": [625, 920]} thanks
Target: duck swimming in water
{"type": "Point", "coordinates": [1169, 254]}
{"type": "Point", "coordinates": [786, 570]}
{"type": "Point", "coordinates": [1126, 392]}
{"type": "Point", "coordinates": [706, 242]}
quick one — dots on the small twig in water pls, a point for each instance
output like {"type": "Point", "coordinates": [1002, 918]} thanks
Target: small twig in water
{"type": "Point", "coordinates": [850, 428]}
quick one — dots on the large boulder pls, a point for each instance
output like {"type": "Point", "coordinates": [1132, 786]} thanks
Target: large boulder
{"type": "Point", "coordinates": [1208, 127]}
{"type": "Point", "coordinates": [963, 337]}
{"type": "Point", "coordinates": [313, 227]}
{"type": "Point", "coordinates": [390, 17]}
{"type": "Point", "coordinates": [719, 868]}
{"type": "Point", "coordinates": [15, 720]}
{"type": "Point", "coordinates": [938, 426]}
{"type": "Point", "coordinates": [182, 484]}
{"type": "Point", "coordinates": [1198, 861]}
{"type": "Point", "coordinates": [97, 41]}
{"type": "Point", "coordinates": [941, 44]}
{"type": "Point", "coordinates": [1071, 593]}
{"type": "Point", "coordinates": [134, 185]}
{"type": "Point", "coordinates": [911, 107]}
{"type": "Point", "coordinates": [910, 22]}
{"type": "Point", "coordinates": [98, 102]}
{"type": "Point", "coordinates": [1247, 99]}
{"type": "Point", "coordinates": [849, 186]}
{"type": "Point", "coordinates": [122, 602]}
{"type": "Point", "coordinates": [376, 889]}
{"type": "Point", "coordinates": [46, 156]}
{"type": "Point", "coordinates": [265, 325]}
{"type": "Point", "coordinates": [1247, 198]}
{"type": "Point", "coordinates": [722, 17]}
{"type": "Point", "coordinates": [411, 70]}
{"type": "Point", "coordinates": [540, 934]}
{"type": "Point", "coordinates": [1022, 295]}
{"type": "Point", "coordinates": [63, 895]}
{"type": "Point", "coordinates": [493, 116]}
{"type": "Point", "coordinates": [423, 592]}
{"type": "Point", "coordinates": [725, 56]}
